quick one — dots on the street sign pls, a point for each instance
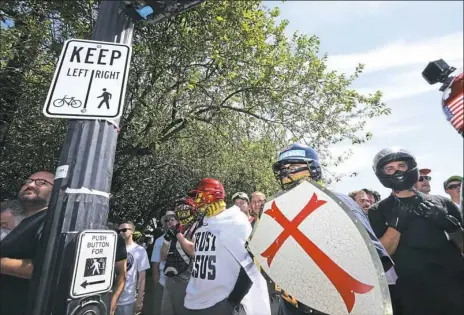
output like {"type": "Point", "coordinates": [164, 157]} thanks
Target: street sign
{"type": "Point", "coordinates": [90, 81]}
{"type": "Point", "coordinates": [94, 263]}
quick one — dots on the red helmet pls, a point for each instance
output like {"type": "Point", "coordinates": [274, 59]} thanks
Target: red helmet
{"type": "Point", "coordinates": [209, 190]}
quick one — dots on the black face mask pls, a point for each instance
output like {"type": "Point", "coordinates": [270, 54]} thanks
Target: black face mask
{"type": "Point", "coordinates": [400, 180]}
{"type": "Point", "coordinates": [398, 174]}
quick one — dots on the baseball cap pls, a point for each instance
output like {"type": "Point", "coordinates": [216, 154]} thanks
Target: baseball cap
{"type": "Point", "coordinates": [240, 195]}
{"type": "Point", "coordinates": [455, 178]}
{"type": "Point", "coordinates": [425, 171]}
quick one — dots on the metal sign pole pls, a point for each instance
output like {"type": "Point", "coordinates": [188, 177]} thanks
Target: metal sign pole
{"type": "Point", "coordinates": [80, 198]}
{"type": "Point", "coordinates": [81, 192]}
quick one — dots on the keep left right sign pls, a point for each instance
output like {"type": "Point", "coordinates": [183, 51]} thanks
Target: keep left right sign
{"type": "Point", "coordinates": [90, 81]}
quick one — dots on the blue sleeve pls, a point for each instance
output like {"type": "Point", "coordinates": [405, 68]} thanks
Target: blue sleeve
{"type": "Point", "coordinates": [362, 217]}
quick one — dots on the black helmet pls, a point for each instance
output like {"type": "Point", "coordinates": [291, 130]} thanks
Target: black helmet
{"type": "Point", "coordinates": [400, 180]}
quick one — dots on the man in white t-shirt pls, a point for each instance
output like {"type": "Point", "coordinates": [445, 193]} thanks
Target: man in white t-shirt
{"type": "Point", "coordinates": [131, 299]}
{"type": "Point", "coordinates": [158, 275]}
{"type": "Point", "coordinates": [219, 282]}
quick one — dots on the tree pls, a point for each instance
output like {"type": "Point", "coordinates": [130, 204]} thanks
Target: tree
{"type": "Point", "coordinates": [37, 27]}
{"type": "Point", "coordinates": [215, 92]}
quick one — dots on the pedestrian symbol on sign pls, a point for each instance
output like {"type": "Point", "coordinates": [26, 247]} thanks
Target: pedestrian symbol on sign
{"type": "Point", "coordinates": [95, 267]}
{"type": "Point", "coordinates": [106, 97]}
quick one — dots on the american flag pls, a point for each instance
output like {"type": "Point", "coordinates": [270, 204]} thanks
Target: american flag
{"type": "Point", "coordinates": [454, 112]}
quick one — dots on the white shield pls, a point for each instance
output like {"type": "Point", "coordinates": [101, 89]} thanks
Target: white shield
{"type": "Point", "coordinates": [325, 259]}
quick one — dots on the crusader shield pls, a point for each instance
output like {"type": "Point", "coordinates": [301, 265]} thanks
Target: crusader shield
{"type": "Point", "coordinates": [311, 244]}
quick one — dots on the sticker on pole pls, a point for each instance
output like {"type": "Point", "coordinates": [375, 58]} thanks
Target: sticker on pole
{"type": "Point", "coordinates": [94, 264]}
{"type": "Point", "coordinates": [90, 81]}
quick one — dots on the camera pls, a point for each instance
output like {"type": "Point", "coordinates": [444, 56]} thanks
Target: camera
{"type": "Point", "coordinates": [438, 71]}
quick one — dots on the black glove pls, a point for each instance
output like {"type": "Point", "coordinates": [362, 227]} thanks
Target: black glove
{"type": "Point", "coordinates": [168, 236]}
{"type": "Point", "coordinates": [399, 217]}
{"type": "Point", "coordinates": [171, 234]}
{"type": "Point", "coordinates": [440, 216]}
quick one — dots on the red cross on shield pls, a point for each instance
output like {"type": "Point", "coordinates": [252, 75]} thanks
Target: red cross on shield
{"type": "Point", "coordinates": [356, 278]}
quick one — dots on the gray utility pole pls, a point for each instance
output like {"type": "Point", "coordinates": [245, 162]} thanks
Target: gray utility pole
{"type": "Point", "coordinates": [80, 198]}
{"type": "Point", "coordinates": [89, 152]}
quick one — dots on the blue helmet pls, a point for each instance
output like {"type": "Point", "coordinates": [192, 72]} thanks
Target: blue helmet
{"type": "Point", "coordinates": [297, 154]}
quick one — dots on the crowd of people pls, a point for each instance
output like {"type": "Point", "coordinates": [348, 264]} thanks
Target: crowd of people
{"type": "Point", "coordinates": [201, 263]}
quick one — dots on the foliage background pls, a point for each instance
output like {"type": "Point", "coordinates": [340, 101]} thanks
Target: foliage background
{"type": "Point", "coordinates": [214, 92]}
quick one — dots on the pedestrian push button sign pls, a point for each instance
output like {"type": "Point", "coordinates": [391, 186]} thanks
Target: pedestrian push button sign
{"type": "Point", "coordinates": [94, 263]}
{"type": "Point", "coordinates": [90, 81]}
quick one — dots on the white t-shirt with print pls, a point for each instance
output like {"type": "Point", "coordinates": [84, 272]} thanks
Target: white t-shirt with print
{"type": "Point", "coordinates": [215, 270]}
{"type": "Point", "coordinates": [137, 261]}
{"type": "Point", "coordinates": [156, 257]}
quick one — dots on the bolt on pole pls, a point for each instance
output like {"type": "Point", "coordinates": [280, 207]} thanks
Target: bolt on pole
{"type": "Point", "coordinates": [88, 152]}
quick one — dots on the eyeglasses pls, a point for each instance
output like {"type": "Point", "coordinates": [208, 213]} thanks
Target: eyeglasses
{"type": "Point", "coordinates": [169, 219]}
{"type": "Point", "coordinates": [37, 182]}
{"type": "Point", "coordinates": [124, 230]}
{"type": "Point", "coordinates": [422, 178]}
{"type": "Point", "coordinates": [453, 186]}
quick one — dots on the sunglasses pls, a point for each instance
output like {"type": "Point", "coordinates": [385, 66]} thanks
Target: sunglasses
{"type": "Point", "coordinates": [124, 230]}
{"type": "Point", "coordinates": [453, 186]}
{"type": "Point", "coordinates": [422, 178]}
{"type": "Point", "coordinates": [169, 219]}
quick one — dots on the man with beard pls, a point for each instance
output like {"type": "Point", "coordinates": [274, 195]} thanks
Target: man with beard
{"type": "Point", "coordinates": [295, 164]}
{"type": "Point", "coordinates": [131, 299]}
{"type": "Point", "coordinates": [423, 234]}
{"type": "Point", "coordinates": [18, 249]}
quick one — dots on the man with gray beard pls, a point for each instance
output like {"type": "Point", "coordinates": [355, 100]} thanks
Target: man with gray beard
{"type": "Point", "coordinates": [19, 248]}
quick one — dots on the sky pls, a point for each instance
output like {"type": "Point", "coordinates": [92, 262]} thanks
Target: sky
{"type": "Point", "coordinates": [395, 41]}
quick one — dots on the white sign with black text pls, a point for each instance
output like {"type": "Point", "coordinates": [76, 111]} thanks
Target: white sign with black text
{"type": "Point", "coordinates": [90, 81]}
{"type": "Point", "coordinates": [94, 263]}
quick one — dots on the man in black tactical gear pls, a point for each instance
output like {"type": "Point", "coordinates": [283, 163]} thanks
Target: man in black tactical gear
{"type": "Point", "coordinates": [424, 236]}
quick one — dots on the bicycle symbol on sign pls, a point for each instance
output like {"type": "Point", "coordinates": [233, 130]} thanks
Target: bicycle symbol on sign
{"type": "Point", "coordinates": [70, 101]}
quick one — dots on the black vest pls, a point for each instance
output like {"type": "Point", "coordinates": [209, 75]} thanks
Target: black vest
{"type": "Point", "coordinates": [177, 261]}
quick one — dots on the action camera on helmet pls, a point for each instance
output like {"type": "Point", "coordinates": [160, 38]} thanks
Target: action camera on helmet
{"type": "Point", "coordinates": [438, 71]}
